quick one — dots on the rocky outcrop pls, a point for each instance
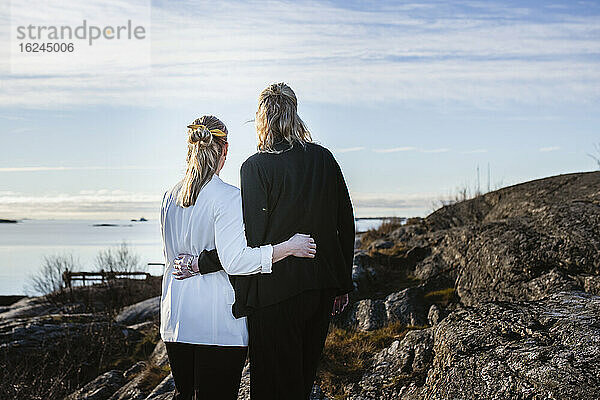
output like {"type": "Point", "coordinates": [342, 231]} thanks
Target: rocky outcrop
{"type": "Point", "coordinates": [49, 331]}
{"type": "Point", "coordinates": [547, 349]}
{"type": "Point", "coordinates": [523, 263]}
{"type": "Point", "coordinates": [522, 242]}
{"type": "Point", "coordinates": [521, 200]}
{"type": "Point", "coordinates": [28, 307]}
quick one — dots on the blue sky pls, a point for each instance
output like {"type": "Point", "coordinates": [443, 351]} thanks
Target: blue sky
{"type": "Point", "coordinates": [411, 97]}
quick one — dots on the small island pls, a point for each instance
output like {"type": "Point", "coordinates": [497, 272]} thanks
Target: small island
{"type": "Point", "coordinates": [8, 221]}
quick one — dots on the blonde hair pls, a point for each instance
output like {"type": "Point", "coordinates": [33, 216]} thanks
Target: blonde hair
{"type": "Point", "coordinates": [277, 119]}
{"type": "Point", "coordinates": [204, 152]}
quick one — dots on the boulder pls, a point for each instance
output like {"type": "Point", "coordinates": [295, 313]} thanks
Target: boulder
{"type": "Point", "coordinates": [520, 258]}
{"type": "Point", "coordinates": [406, 306]}
{"type": "Point", "coordinates": [366, 315]}
{"type": "Point", "coordinates": [139, 312]}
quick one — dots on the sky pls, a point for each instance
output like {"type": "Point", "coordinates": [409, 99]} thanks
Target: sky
{"type": "Point", "coordinates": [413, 98]}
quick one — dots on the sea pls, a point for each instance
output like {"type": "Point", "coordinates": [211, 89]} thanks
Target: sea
{"type": "Point", "coordinates": [24, 245]}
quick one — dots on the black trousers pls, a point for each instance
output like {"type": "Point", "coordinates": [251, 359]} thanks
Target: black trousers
{"type": "Point", "coordinates": [206, 372]}
{"type": "Point", "coordinates": [286, 342]}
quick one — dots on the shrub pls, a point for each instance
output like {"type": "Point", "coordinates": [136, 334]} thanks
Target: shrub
{"type": "Point", "coordinates": [118, 259]}
{"type": "Point", "coordinates": [49, 279]}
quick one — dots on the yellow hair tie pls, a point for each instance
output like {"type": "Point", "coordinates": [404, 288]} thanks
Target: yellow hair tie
{"type": "Point", "coordinates": [214, 132]}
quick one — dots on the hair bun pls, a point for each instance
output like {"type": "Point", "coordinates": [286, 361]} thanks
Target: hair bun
{"type": "Point", "coordinates": [200, 135]}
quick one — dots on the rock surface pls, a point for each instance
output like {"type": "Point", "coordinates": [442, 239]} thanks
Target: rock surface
{"type": "Point", "coordinates": [164, 390]}
{"type": "Point", "coordinates": [523, 242]}
{"type": "Point", "coordinates": [406, 306]}
{"type": "Point", "coordinates": [30, 334]}
{"type": "Point", "coordinates": [100, 388]}
{"type": "Point", "coordinates": [547, 349]}
{"type": "Point", "coordinates": [140, 312]}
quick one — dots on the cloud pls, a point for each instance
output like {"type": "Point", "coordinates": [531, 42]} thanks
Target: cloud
{"type": "Point", "coordinates": [476, 151]}
{"type": "Point", "coordinates": [12, 117]}
{"type": "Point", "coordinates": [395, 149]}
{"type": "Point", "coordinates": [349, 149]}
{"type": "Point", "coordinates": [436, 151]}
{"type": "Point", "coordinates": [547, 149]}
{"type": "Point", "coordinates": [435, 52]}
{"type": "Point", "coordinates": [393, 200]}
{"type": "Point", "coordinates": [121, 204]}
{"type": "Point", "coordinates": [394, 204]}
{"type": "Point", "coordinates": [398, 149]}
{"type": "Point", "coordinates": [102, 203]}
{"type": "Point", "coordinates": [91, 168]}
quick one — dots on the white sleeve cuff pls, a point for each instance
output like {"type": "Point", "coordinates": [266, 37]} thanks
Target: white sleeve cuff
{"type": "Point", "coordinates": [266, 259]}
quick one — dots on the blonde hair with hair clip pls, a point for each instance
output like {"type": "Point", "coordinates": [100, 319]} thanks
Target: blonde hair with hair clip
{"type": "Point", "coordinates": [277, 119]}
{"type": "Point", "coordinates": [207, 137]}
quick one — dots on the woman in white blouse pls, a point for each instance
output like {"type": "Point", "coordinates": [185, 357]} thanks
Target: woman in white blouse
{"type": "Point", "coordinates": [206, 345]}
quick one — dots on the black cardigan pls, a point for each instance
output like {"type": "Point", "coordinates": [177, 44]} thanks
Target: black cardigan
{"type": "Point", "coordinates": [300, 190]}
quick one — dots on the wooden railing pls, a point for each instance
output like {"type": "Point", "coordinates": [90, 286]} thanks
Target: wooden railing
{"type": "Point", "coordinates": [101, 276]}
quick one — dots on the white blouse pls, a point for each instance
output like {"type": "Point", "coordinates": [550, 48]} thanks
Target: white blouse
{"type": "Point", "coordinates": [198, 309]}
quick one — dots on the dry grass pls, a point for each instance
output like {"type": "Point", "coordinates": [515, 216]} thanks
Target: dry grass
{"type": "Point", "coordinates": [61, 365]}
{"type": "Point", "coordinates": [141, 351]}
{"type": "Point", "coordinates": [384, 230]}
{"type": "Point", "coordinates": [397, 250]}
{"type": "Point", "coordinates": [153, 375]}
{"type": "Point", "coordinates": [348, 353]}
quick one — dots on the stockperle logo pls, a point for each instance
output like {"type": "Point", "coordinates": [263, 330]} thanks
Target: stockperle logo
{"type": "Point", "coordinates": [85, 31]}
